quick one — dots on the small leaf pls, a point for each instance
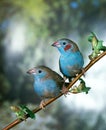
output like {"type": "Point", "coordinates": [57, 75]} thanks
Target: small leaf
{"type": "Point", "coordinates": [21, 112]}
{"type": "Point", "coordinates": [28, 111]}
{"type": "Point", "coordinates": [81, 87]}
{"type": "Point", "coordinates": [97, 46]}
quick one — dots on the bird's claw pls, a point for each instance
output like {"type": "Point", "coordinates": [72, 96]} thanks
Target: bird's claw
{"type": "Point", "coordinates": [65, 91]}
{"type": "Point", "coordinates": [42, 104]}
{"type": "Point", "coordinates": [83, 72]}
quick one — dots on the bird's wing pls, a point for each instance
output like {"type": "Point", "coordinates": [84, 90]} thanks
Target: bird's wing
{"type": "Point", "coordinates": [58, 79]}
{"type": "Point", "coordinates": [60, 68]}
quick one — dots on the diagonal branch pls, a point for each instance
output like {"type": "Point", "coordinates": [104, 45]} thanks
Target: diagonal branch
{"type": "Point", "coordinates": [17, 121]}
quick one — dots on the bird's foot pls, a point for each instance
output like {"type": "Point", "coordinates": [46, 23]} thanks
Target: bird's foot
{"type": "Point", "coordinates": [83, 72]}
{"type": "Point", "coordinates": [65, 91]}
{"type": "Point", "coordinates": [42, 104]}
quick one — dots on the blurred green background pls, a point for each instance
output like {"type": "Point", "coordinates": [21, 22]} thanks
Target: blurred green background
{"type": "Point", "coordinates": [27, 30]}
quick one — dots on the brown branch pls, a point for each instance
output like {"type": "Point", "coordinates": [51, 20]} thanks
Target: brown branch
{"type": "Point", "coordinates": [17, 121]}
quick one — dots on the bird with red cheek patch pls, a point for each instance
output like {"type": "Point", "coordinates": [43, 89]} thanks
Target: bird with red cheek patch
{"type": "Point", "coordinates": [71, 60]}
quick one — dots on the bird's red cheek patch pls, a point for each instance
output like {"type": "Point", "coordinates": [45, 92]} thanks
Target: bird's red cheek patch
{"type": "Point", "coordinates": [67, 47]}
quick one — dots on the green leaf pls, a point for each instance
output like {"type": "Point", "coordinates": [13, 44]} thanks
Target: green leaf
{"type": "Point", "coordinates": [21, 112]}
{"type": "Point", "coordinates": [81, 87]}
{"type": "Point", "coordinates": [28, 111]}
{"type": "Point", "coordinates": [97, 46]}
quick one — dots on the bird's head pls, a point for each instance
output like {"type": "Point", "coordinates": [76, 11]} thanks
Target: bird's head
{"type": "Point", "coordinates": [65, 45]}
{"type": "Point", "coordinates": [38, 72]}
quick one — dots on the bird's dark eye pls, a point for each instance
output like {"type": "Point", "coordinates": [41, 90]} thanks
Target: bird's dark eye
{"type": "Point", "coordinates": [39, 71]}
{"type": "Point", "coordinates": [64, 43]}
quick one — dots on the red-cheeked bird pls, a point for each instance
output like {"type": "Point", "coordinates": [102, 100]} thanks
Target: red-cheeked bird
{"type": "Point", "coordinates": [71, 60]}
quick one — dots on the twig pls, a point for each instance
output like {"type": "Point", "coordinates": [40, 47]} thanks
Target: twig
{"type": "Point", "coordinates": [17, 121]}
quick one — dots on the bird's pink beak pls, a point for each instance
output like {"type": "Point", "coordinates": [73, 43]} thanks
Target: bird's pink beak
{"type": "Point", "coordinates": [56, 44]}
{"type": "Point", "coordinates": [32, 71]}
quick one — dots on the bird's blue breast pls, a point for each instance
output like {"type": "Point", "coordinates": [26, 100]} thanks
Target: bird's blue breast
{"type": "Point", "coordinates": [71, 61]}
{"type": "Point", "coordinates": [46, 88]}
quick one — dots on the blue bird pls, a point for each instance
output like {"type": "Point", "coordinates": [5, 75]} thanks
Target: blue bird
{"type": "Point", "coordinates": [47, 83]}
{"type": "Point", "coordinates": [71, 60]}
